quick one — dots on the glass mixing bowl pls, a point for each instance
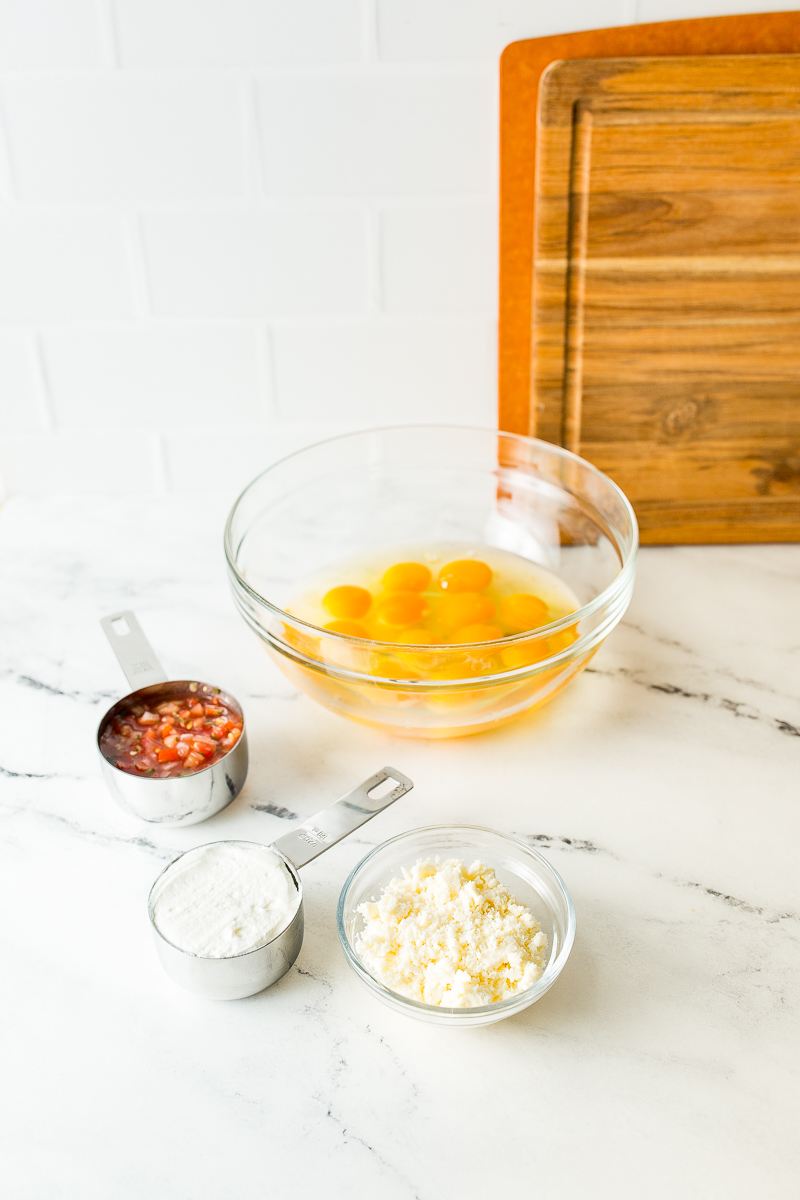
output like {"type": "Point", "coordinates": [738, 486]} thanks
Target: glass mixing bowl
{"type": "Point", "coordinates": [368, 492]}
{"type": "Point", "coordinates": [528, 876]}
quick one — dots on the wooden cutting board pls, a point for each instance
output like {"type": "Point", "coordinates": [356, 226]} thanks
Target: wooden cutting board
{"type": "Point", "coordinates": [662, 230]}
{"type": "Point", "coordinates": [666, 300]}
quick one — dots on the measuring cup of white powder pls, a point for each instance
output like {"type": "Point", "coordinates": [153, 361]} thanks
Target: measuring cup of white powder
{"type": "Point", "coordinates": [228, 916]}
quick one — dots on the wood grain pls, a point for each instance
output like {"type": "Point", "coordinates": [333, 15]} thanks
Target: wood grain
{"type": "Point", "coordinates": [651, 292]}
{"type": "Point", "coordinates": [694, 384]}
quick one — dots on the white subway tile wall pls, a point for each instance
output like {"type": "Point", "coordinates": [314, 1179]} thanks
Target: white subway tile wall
{"type": "Point", "coordinates": [229, 228]}
{"type": "Point", "coordinates": [177, 374]}
{"type": "Point", "coordinates": [126, 139]}
{"type": "Point", "coordinates": [438, 259]}
{"type": "Point", "coordinates": [423, 370]}
{"type": "Point", "coordinates": [256, 262]}
{"type": "Point", "coordinates": [442, 30]}
{"type": "Point", "coordinates": [55, 34]}
{"type": "Point", "coordinates": [64, 266]}
{"type": "Point", "coordinates": [379, 131]}
{"type": "Point", "coordinates": [21, 393]}
{"type": "Point", "coordinates": [238, 33]}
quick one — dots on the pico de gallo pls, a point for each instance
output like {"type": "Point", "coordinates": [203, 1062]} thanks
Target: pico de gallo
{"type": "Point", "coordinates": [177, 736]}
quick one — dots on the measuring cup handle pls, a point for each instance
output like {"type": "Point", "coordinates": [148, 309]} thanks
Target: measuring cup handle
{"type": "Point", "coordinates": [134, 652]}
{"type": "Point", "coordinates": [328, 827]}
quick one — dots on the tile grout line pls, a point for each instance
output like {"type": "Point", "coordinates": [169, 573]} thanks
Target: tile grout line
{"type": "Point", "coordinates": [255, 173]}
{"type": "Point", "coordinates": [108, 32]}
{"type": "Point", "coordinates": [158, 464]}
{"type": "Point", "coordinates": [370, 40]}
{"type": "Point", "coordinates": [44, 394]}
{"type": "Point", "coordinates": [268, 373]}
{"type": "Point", "coordinates": [13, 195]}
{"type": "Point", "coordinates": [364, 67]}
{"type": "Point", "coordinates": [375, 281]}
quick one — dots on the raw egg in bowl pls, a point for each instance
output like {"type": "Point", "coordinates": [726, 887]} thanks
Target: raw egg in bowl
{"type": "Point", "coordinates": [433, 581]}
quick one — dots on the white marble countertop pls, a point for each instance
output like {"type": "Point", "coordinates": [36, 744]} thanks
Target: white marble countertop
{"type": "Point", "coordinates": [663, 784]}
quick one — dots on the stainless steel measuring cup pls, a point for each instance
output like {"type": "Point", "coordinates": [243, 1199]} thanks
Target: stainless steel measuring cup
{"type": "Point", "coordinates": [184, 799]}
{"type": "Point", "coordinates": [242, 975]}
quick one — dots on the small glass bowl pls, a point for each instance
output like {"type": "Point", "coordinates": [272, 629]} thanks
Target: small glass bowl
{"type": "Point", "coordinates": [528, 876]}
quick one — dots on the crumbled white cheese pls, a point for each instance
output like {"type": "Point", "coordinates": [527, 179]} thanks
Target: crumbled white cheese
{"type": "Point", "coordinates": [447, 934]}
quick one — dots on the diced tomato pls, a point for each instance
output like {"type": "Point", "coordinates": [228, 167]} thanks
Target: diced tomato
{"type": "Point", "coordinates": [173, 736]}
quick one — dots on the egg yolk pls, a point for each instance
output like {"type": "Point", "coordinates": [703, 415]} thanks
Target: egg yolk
{"type": "Point", "coordinates": [464, 608]}
{"type": "Point", "coordinates": [416, 637]}
{"type": "Point", "coordinates": [522, 612]}
{"type": "Point", "coordinates": [392, 669]}
{"type": "Point", "coordinates": [465, 575]}
{"type": "Point", "coordinates": [401, 609]}
{"type": "Point", "coordinates": [347, 602]}
{"type": "Point", "coordinates": [477, 633]}
{"type": "Point", "coordinates": [407, 577]}
{"type": "Point", "coordinates": [460, 670]}
{"type": "Point", "coordinates": [436, 627]}
{"type": "Point", "coordinates": [301, 641]}
{"type": "Point", "coordinates": [524, 654]}
{"type": "Point", "coordinates": [351, 628]}
{"type": "Point", "coordinates": [560, 641]}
